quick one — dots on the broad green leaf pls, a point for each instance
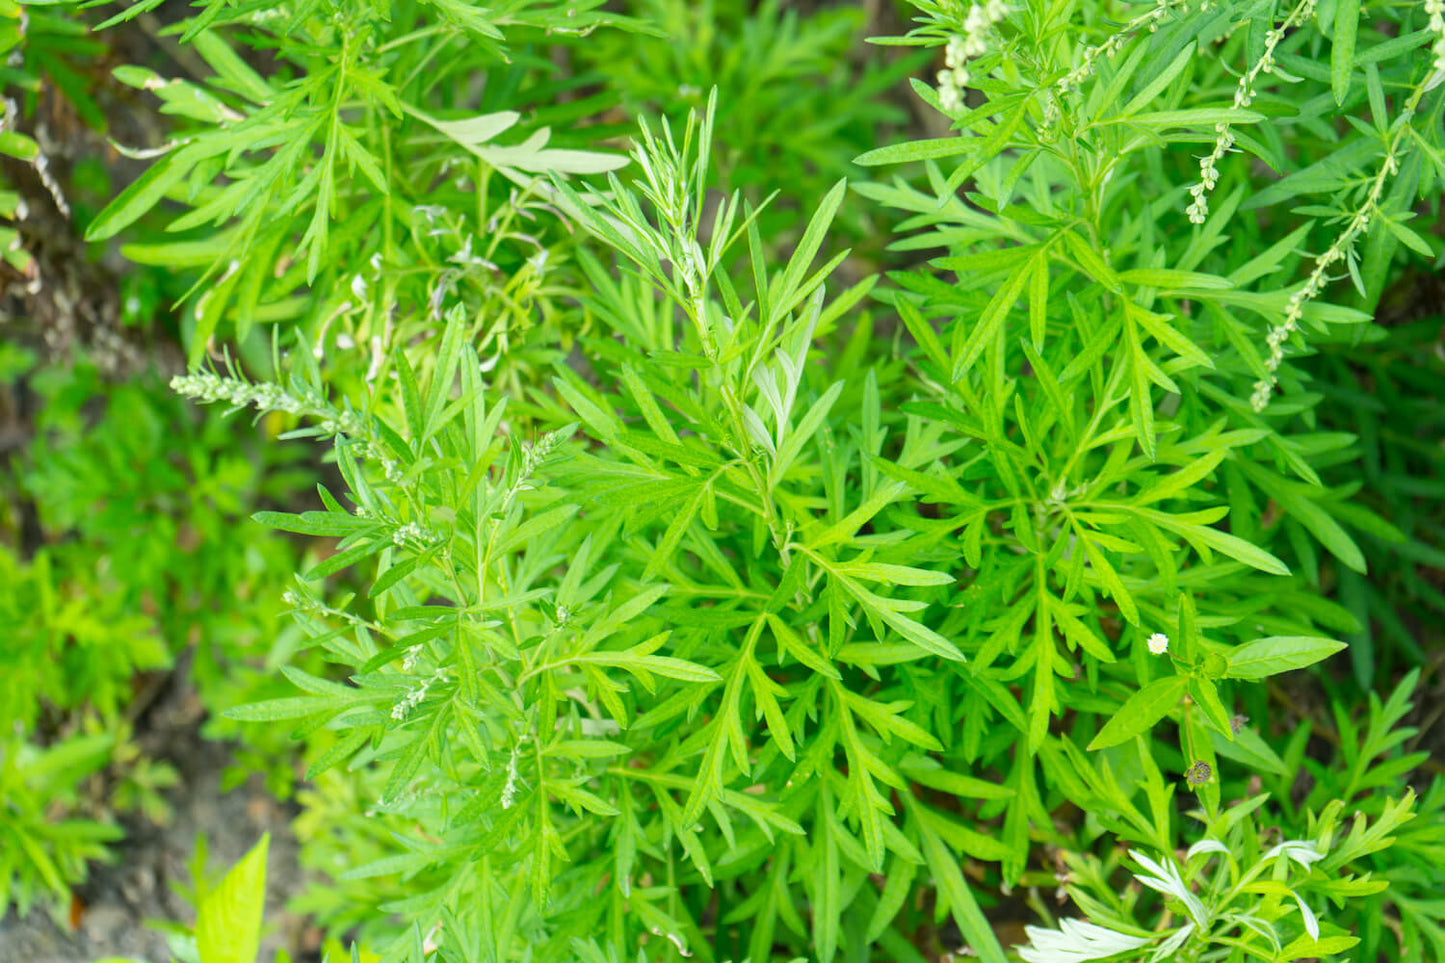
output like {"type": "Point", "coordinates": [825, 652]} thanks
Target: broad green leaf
{"type": "Point", "coordinates": [1141, 711]}
{"type": "Point", "coordinates": [1281, 653]}
{"type": "Point", "coordinates": [228, 921]}
{"type": "Point", "coordinates": [1305, 948]}
{"type": "Point", "coordinates": [1206, 696]}
{"type": "Point", "coordinates": [1250, 750]}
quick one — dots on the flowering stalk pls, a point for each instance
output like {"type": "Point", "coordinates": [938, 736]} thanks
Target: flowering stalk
{"type": "Point", "coordinates": [1116, 42]}
{"type": "Point", "coordinates": [414, 696]}
{"type": "Point", "coordinates": [1435, 10]}
{"type": "Point", "coordinates": [973, 42]}
{"type": "Point", "coordinates": [207, 387]}
{"type": "Point", "coordinates": [1244, 94]}
{"type": "Point", "coordinates": [1357, 224]}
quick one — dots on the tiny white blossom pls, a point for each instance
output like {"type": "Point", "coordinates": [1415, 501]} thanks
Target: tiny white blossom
{"type": "Point", "coordinates": [1158, 643]}
{"type": "Point", "coordinates": [509, 791]}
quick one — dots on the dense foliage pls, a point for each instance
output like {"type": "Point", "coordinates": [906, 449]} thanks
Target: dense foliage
{"type": "Point", "coordinates": [745, 492]}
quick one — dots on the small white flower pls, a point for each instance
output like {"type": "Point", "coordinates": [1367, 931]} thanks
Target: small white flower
{"type": "Point", "coordinates": [1158, 643]}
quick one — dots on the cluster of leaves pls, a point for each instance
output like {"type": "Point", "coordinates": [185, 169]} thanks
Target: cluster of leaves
{"type": "Point", "coordinates": [733, 610]}
{"type": "Point", "coordinates": [798, 96]}
{"type": "Point", "coordinates": [343, 190]}
{"type": "Point", "coordinates": [119, 537]}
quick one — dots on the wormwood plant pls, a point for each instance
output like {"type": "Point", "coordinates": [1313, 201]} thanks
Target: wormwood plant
{"type": "Point", "coordinates": [701, 681]}
{"type": "Point", "coordinates": [341, 185]}
{"type": "Point", "coordinates": [782, 624]}
{"type": "Point", "coordinates": [798, 98]}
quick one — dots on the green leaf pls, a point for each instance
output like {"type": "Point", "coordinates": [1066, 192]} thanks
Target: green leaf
{"type": "Point", "coordinates": [1298, 501]}
{"type": "Point", "coordinates": [1142, 710]}
{"type": "Point", "coordinates": [1305, 948]}
{"type": "Point", "coordinates": [786, 294]}
{"type": "Point", "coordinates": [918, 150]}
{"type": "Point", "coordinates": [1168, 279]}
{"type": "Point", "coordinates": [1281, 653]}
{"type": "Point", "coordinates": [953, 890]}
{"type": "Point", "coordinates": [1342, 54]}
{"type": "Point", "coordinates": [1206, 695]}
{"type": "Point", "coordinates": [797, 437]}
{"type": "Point", "coordinates": [1039, 302]}
{"type": "Point", "coordinates": [228, 922]}
{"type": "Point", "coordinates": [141, 195]}
{"type": "Point", "coordinates": [1091, 260]}
{"type": "Point", "coordinates": [1157, 85]}
{"type": "Point", "coordinates": [894, 574]}
{"type": "Point", "coordinates": [1250, 750]}
{"type": "Point", "coordinates": [1204, 117]}
{"type": "Point", "coordinates": [969, 342]}
{"type": "Point", "coordinates": [886, 611]}
{"type": "Point", "coordinates": [1231, 545]}
{"type": "Point", "coordinates": [17, 145]}
{"type": "Point", "coordinates": [1185, 478]}
{"type": "Point", "coordinates": [1408, 237]}
{"type": "Point", "coordinates": [313, 523]}
{"type": "Point", "coordinates": [799, 648]}
{"type": "Point", "coordinates": [231, 68]}
{"type": "Point", "coordinates": [272, 710]}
